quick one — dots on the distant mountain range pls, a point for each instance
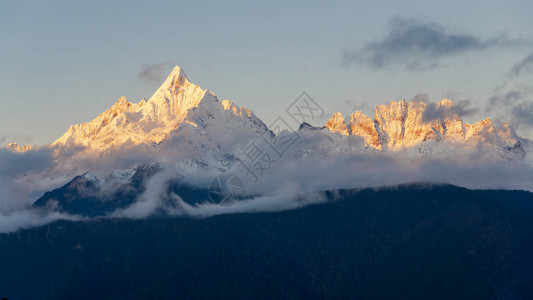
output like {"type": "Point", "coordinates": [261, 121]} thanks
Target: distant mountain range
{"type": "Point", "coordinates": [185, 127]}
{"type": "Point", "coordinates": [125, 206]}
{"type": "Point", "coordinates": [397, 126]}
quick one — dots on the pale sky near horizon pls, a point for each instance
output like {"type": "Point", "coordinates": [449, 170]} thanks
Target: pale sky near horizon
{"type": "Point", "coordinates": [64, 62]}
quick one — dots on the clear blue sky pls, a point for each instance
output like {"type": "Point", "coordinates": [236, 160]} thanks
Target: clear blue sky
{"type": "Point", "coordinates": [64, 62]}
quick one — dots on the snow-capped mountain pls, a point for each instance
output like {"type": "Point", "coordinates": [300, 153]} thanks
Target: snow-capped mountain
{"type": "Point", "coordinates": [179, 104]}
{"type": "Point", "coordinates": [404, 125]}
{"type": "Point", "coordinates": [181, 123]}
{"type": "Point", "coordinates": [152, 121]}
{"type": "Point", "coordinates": [193, 136]}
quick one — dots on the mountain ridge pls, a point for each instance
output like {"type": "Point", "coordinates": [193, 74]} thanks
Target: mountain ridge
{"type": "Point", "coordinates": [406, 124]}
{"type": "Point", "coordinates": [395, 126]}
{"type": "Point", "coordinates": [415, 126]}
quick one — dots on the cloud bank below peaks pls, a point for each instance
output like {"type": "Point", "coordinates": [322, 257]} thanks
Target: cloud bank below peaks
{"type": "Point", "coordinates": [193, 137]}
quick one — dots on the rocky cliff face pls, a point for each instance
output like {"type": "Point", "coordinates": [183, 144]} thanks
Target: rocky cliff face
{"type": "Point", "coordinates": [402, 125]}
{"type": "Point", "coordinates": [363, 126]}
{"type": "Point", "coordinates": [338, 124]}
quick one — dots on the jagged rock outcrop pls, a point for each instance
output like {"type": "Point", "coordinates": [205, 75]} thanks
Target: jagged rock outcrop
{"type": "Point", "coordinates": [338, 124]}
{"type": "Point", "coordinates": [402, 125]}
{"type": "Point", "coordinates": [16, 148]}
{"type": "Point", "coordinates": [363, 126]}
{"type": "Point", "coordinates": [390, 122]}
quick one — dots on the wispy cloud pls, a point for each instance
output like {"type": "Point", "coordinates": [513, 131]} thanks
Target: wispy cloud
{"type": "Point", "coordinates": [463, 108]}
{"type": "Point", "coordinates": [320, 161]}
{"type": "Point", "coordinates": [154, 73]}
{"type": "Point", "coordinates": [418, 66]}
{"type": "Point", "coordinates": [422, 97]}
{"type": "Point", "coordinates": [513, 101]}
{"type": "Point", "coordinates": [523, 113]}
{"type": "Point", "coordinates": [509, 97]}
{"type": "Point", "coordinates": [418, 45]}
{"type": "Point", "coordinates": [524, 66]}
{"type": "Point", "coordinates": [513, 105]}
{"type": "Point", "coordinates": [330, 164]}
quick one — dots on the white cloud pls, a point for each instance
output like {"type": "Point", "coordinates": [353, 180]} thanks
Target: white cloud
{"type": "Point", "coordinates": [319, 161]}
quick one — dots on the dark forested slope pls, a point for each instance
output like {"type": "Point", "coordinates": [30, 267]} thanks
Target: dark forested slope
{"type": "Point", "coordinates": [409, 241]}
